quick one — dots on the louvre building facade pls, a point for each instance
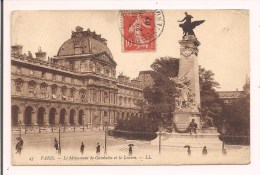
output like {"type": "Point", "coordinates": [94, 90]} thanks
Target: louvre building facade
{"type": "Point", "coordinates": [76, 87]}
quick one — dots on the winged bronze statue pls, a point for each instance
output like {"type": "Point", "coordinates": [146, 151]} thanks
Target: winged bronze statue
{"type": "Point", "coordinates": [188, 26]}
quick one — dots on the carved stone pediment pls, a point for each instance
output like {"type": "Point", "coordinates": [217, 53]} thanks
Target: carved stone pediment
{"type": "Point", "coordinates": [105, 57]}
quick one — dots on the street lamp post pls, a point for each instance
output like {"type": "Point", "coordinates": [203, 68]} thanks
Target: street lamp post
{"type": "Point", "coordinates": [105, 151]}
{"type": "Point", "coordinates": [59, 150]}
{"type": "Point", "coordinates": [223, 133]}
{"type": "Point", "coordinates": [160, 139]}
{"type": "Point", "coordinates": [83, 124]}
{"type": "Point", "coordinates": [20, 128]}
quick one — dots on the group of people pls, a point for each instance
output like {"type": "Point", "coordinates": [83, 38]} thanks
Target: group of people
{"type": "Point", "coordinates": [204, 151]}
{"type": "Point", "coordinates": [82, 147]}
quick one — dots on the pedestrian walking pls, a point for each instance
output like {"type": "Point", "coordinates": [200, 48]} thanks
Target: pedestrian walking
{"type": "Point", "coordinates": [224, 152]}
{"type": "Point", "coordinates": [130, 150]}
{"type": "Point", "coordinates": [204, 151]}
{"type": "Point", "coordinates": [189, 150]}
{"type": "Point", "coordinates": [19, 145]}
{"type": "Point", "coordinates": [82, 148]}
{"type": "Point", "coordinates": [56, 144]}
{"type": "Point", "coordinates": [98, 149]}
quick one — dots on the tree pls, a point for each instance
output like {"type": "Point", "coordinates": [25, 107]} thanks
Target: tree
{"type": "Point", "coordinates": [211, 105]}
{"type": "Point", "coordinates": [160, 97]}
{"type": "Point", "coordinates": [237, 115]}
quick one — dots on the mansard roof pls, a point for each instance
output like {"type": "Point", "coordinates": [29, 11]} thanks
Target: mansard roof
{"type": "Point", "coordinates": [87, 42]}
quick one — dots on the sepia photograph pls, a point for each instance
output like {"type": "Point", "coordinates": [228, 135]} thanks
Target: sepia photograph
{"type": "Point", "coordinates": [130, 87]}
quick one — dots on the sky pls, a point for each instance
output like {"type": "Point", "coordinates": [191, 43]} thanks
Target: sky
{"type": "Point", "coordinates": [224, 38]}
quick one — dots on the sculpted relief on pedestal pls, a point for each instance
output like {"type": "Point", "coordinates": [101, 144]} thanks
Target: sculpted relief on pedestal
{"type": "Point", "coordinates": [185, 96]}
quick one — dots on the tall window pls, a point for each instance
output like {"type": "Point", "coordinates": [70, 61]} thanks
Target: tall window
{"type": "Point", "coordinates": [19, 86]}
{"type": "Point", "coordinates": [54, 77]}
{"type": "Point", "coordinates": [54, 91]}
{"type": "Point", "coordinates": [31, 72]}
{"type": "Point", "coordinates": [120, 100]}
{"type": "Point", "coordinates": [72, 93]}
{"type": "Point", "coordinates": [43, 74]}
{"type": "Point", "coordinates": [43, 88]}
{"type": "Point", "coordinates": [63, 79]}
{"type": "Point", "coordinates": [63, 92]}
{"type": "Point", "coordinates": [83, 96]}
{"type": "Point", "coordinates": [95, 96]}
{"type": "Point", "coordinates": [18, 70]}
{"type": "Point", "coordinates": [31, 86]}
{"type": "Point", "coordinates": [105, 97]}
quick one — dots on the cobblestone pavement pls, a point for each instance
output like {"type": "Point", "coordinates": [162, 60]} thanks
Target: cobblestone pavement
{"type": "Point", "coordinates": [39, 147]}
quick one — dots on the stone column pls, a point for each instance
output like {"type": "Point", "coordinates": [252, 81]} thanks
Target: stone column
{"type": "Point", "coordinates": [111, 117]}
{"type": "Point", "coordinates": [76, 118]}
{"type": "Point", "coordinates": [33, 121]}
{"type": "Point", "coordinates": [90, 116]}
{"type": "Point", "coordinates": [101, 116]}
{"type": "Point", "coordinates": [20, 117]}
{"type": "Point", "coordinates": [66, 116]}
{"type": "Point", "coordinates": [89, 96]}
{"type": "Point", "coordinates": [46, 119]}
{"type": "Point", "coordinates": [57, 118]}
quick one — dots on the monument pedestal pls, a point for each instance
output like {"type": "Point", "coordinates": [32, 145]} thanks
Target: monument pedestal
{"type": "Point", "coordinates": [182, 119]}
{"type": "Point", "coordinates": [207, 137]}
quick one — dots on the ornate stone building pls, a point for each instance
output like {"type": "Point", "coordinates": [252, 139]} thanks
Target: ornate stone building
{"type": "Point", "coordinates": [78, 86]}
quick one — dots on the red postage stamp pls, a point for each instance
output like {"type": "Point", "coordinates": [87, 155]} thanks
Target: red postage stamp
{"type": "Point", "coordinates": [140, 30]}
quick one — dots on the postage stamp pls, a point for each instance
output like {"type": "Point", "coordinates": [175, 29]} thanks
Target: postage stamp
{"type": "Point", "coordinates": [140, 29]}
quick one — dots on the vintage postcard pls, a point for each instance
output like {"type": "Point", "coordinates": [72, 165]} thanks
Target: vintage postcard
{"type": "Point", "coordinates": [130, 87]}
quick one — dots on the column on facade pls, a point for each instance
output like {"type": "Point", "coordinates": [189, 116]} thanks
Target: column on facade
{"type": "Point", "coordinates": [33, 121]}
{"type": "Point", "coordinates": [76, 118]}
{"type": "Point", "coordinates": [20, 115]}
{"type": "Point", "coordinates": [90, 116]}
{"type": "Point", "coordinates": [111, 117]}
{"type": "Point", "coordinates": [115, 98]}
{"type": "Point", "coordinates": [45, 118]}
{"type": "Point", "coordinates": [85, 117]}
{"type": "Point", "coordinates": [90, 95]}
{"type": "Point", "coordinates": [57, 117]}
{"type": "Point", "coordinates": [66, 116]}
{"type": "Point", "coordinates": [101, 116]}
{"type": "Point", "coordinates": [110, 97]}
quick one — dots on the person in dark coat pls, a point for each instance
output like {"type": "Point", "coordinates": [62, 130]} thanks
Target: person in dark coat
{"type": "Point", "coordinates": [189, 151]}
{"type": "Point", "coordinates": [130, 149]}
{"type": "Point", "coordinates": [204, 151]}
{"type": "Point", "coordinates": [19, 145]}
{"type": "Point", "coordinates": [98, 148]}
{"type": "Point", "coordinates": [224, 152]}
{"type": "Point", "coordinates": [56, 144]}
{"type": "Point", "coordinates": [193, 126]}
{"type": "Point", "coordinates": [82, 148]}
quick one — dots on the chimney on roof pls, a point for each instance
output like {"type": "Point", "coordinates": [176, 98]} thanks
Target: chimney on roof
{"type": "Point", "coordinates": [40, 54]}
{"type": "Point", "coordinates": [79, 29]}
{"type": "Point", "coordinates": [17, 49]}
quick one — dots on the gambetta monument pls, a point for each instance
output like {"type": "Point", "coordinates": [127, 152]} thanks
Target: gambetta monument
{"type": "Point", "coordinates": [187, 124]}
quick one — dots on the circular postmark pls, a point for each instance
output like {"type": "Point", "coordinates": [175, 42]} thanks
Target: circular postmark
{"type": "Point", "coordinates": [141, 27]}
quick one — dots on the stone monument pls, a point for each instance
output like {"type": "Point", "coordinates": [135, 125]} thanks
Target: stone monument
{"type": "Point", "coordinates": [186, 117]}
